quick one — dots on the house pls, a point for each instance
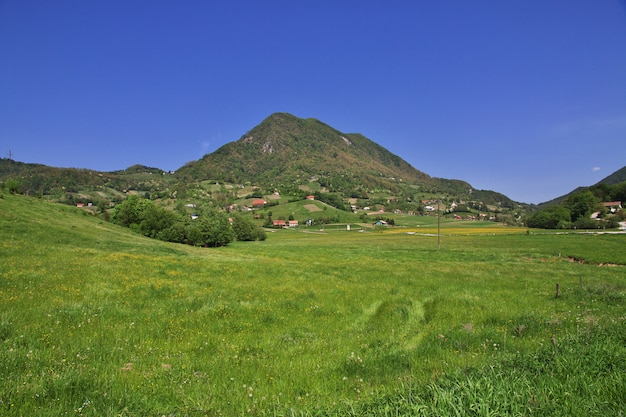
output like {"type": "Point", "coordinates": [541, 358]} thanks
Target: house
{"type": "Point", "coordinates": [258, 203]}
{"type": "Point", "coordinates": [279, 223]}
{"type": "Point", "coordinates": [293, 223]}
{"type": "Point", "coordinates": [310, 197]}
{"type": "Point", "coordinates": [613, 206]}
{"type": "Point", "coordinates": [381, 223]}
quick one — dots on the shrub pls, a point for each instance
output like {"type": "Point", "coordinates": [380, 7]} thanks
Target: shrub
{"type": "Point", "coordinates": [586, 223]}
{"type": "Point", "coordinates": [244, 230]}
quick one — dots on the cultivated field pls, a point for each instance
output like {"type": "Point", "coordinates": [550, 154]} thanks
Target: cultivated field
{"type": "Point", "coordinates": [98, 321]}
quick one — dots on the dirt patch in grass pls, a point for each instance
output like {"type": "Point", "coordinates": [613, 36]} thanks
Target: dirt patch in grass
{"type": "Point", "coordinates": [312, 207]}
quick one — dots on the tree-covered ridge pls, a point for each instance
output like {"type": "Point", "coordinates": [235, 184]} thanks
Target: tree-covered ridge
{"type": "Point", "coordinates": [38, 179]}
{"type": "Point", "coordinates": [615, 178]}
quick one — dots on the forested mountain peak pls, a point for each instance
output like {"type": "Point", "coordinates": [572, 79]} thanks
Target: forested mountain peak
{"type": "Point", "coordinates": [284, 149]}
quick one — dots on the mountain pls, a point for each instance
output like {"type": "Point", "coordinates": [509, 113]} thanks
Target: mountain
{"type": "Point", "coordinates": [617, 177]}
{"type": "Point", "coordinates": [284, 149]}
{"type": "Point", "coordinates": [283, 153]}
{"type": "Point", "coordinates": [289, 153]}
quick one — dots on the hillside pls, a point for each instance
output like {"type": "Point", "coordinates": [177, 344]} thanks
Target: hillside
{"type": "Point", "coordinates": [75, 185]}
{"type": "Point", "coordinates": [289, 153]}
{"type": "Point", "coordinates": [285, 150]}
{"type": "Point", "coordinates": [616, 177]}
{"type": "Point", "coordinates": [284, 154]}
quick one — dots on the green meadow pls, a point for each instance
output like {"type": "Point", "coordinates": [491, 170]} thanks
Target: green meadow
{"type": "Point", "coordinates": [98, 321]}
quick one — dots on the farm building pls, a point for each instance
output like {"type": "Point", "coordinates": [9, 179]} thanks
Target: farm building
{"type": "Point", "coordinates": [613, 206]}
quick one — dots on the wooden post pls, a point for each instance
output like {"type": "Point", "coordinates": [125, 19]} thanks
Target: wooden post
{"type": "Point", "coordinates": [580, 280]}
{"type": "Point", "coordinates": [557, 290]}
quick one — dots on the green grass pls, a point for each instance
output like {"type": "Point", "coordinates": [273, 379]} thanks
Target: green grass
{"type": "Point", "coordinates": [95, 320]}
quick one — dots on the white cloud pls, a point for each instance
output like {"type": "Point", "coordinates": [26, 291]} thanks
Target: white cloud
{"type": "Point", "coordinates": [595, 169]}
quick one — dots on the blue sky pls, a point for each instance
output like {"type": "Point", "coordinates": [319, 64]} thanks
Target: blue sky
{"type": "Point", "coordinates": [527, 98]}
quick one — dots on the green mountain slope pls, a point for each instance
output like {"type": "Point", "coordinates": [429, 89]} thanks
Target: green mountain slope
{"type": "Point", "coordinates": [285, 152]}
{"type": "Point", "coordinates": [617, 177]}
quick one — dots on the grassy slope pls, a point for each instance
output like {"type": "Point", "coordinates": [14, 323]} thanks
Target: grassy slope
{"type": "Point", "coordinates": [95, 320]}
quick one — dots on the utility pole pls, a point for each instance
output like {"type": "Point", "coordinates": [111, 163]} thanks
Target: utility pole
{"type": "Point", "coordinates": [439, 224]}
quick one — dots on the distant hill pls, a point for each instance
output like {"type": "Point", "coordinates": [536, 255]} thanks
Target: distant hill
{"type": "Point", "coordinates": [617, 177]}
{"type": "Point", "coordinates": [283, 153]}
{"type": "Point", "coordinates": [38, 179]}
{"type": "Point", "coordinates": [284, 149]}
{"type": "Point", "coordinates": [287, 152]}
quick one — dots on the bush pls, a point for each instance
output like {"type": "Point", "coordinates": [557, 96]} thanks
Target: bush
{"type": "Point", "coordinates": [586, 223]}
{"type": "Point", "coordinates": [212, 229]}
{"type": "Point", "coordinates": [549, 218]}
{"type": "Point", "coordinates": [245, 230]}
{"type": "Point", "coordinates": [13, 186]}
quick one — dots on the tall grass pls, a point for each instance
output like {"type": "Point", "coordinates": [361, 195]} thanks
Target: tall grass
{"type": "Point", "coordinates": [95, 320]}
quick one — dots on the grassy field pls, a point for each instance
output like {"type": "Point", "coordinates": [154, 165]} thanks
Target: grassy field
{"type": "Point", "coordinates": [98, 321]}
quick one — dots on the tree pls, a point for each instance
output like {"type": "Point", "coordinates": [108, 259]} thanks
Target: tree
{"type": "Point", "coordinates": [581, 204]}
{"type": "Point", "coordinates": [174, 233]}
{"type": "Point", "coordinates": [245, 230]}
{"type": "Point", "coordinates": [155, 220]}
{"type": "Point", "coordinates": [215, 228]}
{"type": "Point", "coordinates": [130, 212]}
{"type": "Point", "coordinates": [549, 218]}
{"type": "Point", "coordinates": [13, 186]}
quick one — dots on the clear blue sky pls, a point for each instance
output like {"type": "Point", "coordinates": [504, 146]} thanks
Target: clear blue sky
{"type": "Point", "coordinates": [523, 97]}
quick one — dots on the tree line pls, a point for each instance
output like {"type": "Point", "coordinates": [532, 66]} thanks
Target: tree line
{"type": "Point", "coordinates": [210, 227]}
{"type": "Point", "coordinates": [575, 212]}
